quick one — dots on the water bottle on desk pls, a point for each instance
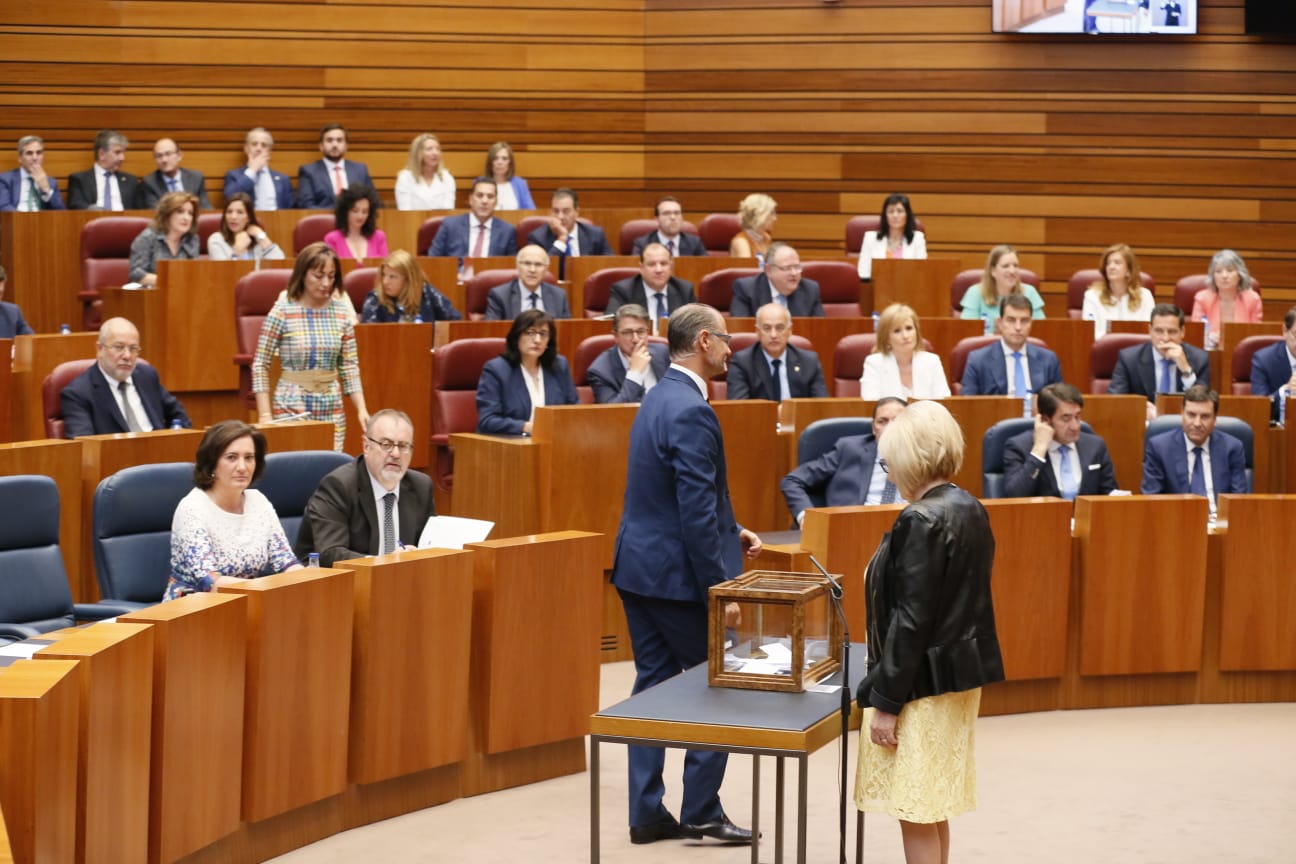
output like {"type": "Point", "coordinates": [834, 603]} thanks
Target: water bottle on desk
{"type": "Point", "coordinates": [176, 424]}
{"type": "Point", "coordinates": [875, 320]}
{"type": "Point", "coordinates": [1027, 406]}
{"type": "Point", "coordinates": [1206, 343]}
{"type": "Point", "coordinates": [989, 324]}
{"type": "Point", "coordinates": [65, 330]}
{"type": "Point", "coordinates": [1283, 393]}
{"type": "Point", "coordinates": [313, 561]}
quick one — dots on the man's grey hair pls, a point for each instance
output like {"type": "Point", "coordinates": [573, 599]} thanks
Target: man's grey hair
{"type": "Point", "coordinates": [686, 324]}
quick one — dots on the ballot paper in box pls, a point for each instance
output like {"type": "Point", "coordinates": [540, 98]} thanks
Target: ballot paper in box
{"type": "Point", "coordinates": [782, 636]}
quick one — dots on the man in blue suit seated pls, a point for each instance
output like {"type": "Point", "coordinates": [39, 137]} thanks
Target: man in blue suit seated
{"type": "Point", "coordinates": [670, 230]}
{"type": "Point", "coordinates": [1011, 366]}
{"type": "Point", "coordinates": [1164, 364]}
{"type": "Point", "coordinates": [678, 537]}
{"type": "Point", "coordinates": [270, 190]}
{"type": "Point", "coordinates": [28, 188]}
{"type": "Point", "coordinates": [318, 182]}
{"type": "Point", "coordinates": [1197, 459]}
{"type": "Point", "coordinates": [564, 236]}
{"type": "Point", "coordinates": [1273, 369]}
{"type": "Point", "coordinates": [781, 283]}
{"type": "Point", "coordinates": [1056, 459]}
{"type": "Point", "coordinates": [849, 474]}
{"type": "Point", "coordinates": [773, 369]}
{"type": "Point", "coordinates": [117, 394]}
{"type": "Point", "coordinates": [528, 290]}
{"type": "Point", "coordinates": [631, 367]}
{"type": "Point", "coordinates": [655, 287]}
{"type": "Point", "coordinates": [477, 233]}
{"type": "Point", "coordinates": [11, 317]}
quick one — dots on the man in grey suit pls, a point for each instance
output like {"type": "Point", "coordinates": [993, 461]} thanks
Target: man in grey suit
{"type": "Point", "coordinates": [772, 368]}
{"type": "Point", "coordinates": [781, 283]}
{"type": "Point", "coordinates": [631, 367]}
{"type": "Point", "coordinates": [528, 291]}
{"type": "Point", "coordinates": [1055, 459]}
{"type": "Point", "coordinates": [104, 186]}
{"type": "Point", "coordinates": [170, 177]}
{"type": "Point", "coordinates": [1163, 365]}
{"type": "Point", "coordinates": [655, 288]}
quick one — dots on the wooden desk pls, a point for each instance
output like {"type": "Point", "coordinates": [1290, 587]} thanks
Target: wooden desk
{"type": "Point", "coordinates": [40, 251]}
{"type": "Point", "coordinates": [1071, 340]}
{"type": "Point", "coordinates": [61, 461]}
{"type": "Point", "coordinates": [1120, 422]}
{"type": "Point", "coordinates": [34, 359]}
{"type": "Point", "coordinates": [843, 539]}
{"type": "Point", "coordinates": [976, 414]}
{"type": "Point", "coordinates": [1258, 600]}
{"type": "Point", "coordinates": [298, 435]}
{"type": "Point", "coordinates": [396, 365]}
{"type": "Point", "coordinates": [924, 285]}
{"type": "Point", "coordinates": [7, 392]}
{"type": "Point", "coordinates": [751, 460]}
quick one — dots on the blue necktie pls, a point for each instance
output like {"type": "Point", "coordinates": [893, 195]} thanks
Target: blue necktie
{"type": "Point", "coordinates": [173, 184]}
{"type": "Point", "coordinates": [1069, 485]}
{"type": "Point", "coordinates": [534, 298]}
{"type": "Point", "coordinates": [1019, 376]}
{"type": "Point", "coordinates": [1167, 379]}
{"type": "Point", "coordinates": [1197, 485]}
{"type": "Point", "coordinates": [778, 382]}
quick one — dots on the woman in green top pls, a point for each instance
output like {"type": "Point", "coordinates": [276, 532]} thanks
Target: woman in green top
{"type": "Point", "coordinates": [1001, 279]}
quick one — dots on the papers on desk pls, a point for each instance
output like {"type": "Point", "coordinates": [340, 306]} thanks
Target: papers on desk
{"type": "Point", "coordinates": [774, 658]}
{"type": "Point", "coordinates": [21, 649]}
{"type": "Point", "coordinates": [452, 532]}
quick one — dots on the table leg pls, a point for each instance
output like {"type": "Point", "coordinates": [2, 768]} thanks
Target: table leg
{"type": "Point", "coordinates": [803, 782]}
{"type": "Point", "coordinates": [594, 799]}
{"type": "Point", "coordinates": [755, 828]}
{"type": "Point", "coordinates": [778, 810]}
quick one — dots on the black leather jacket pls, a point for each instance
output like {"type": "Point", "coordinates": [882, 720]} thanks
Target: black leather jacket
{"type": "Point", "coordinates": [931, 626]}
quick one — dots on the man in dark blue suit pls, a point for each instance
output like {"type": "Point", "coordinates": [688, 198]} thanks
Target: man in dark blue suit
{"type": "Point", "coordinates": [1162, 365]}
{"type": "Point", "coordinates": [773, 369]}
{"type": "Point", "coordinates": [847, 475]}
{"type": "Point", "coordinates": [270, 190]}
{"type": "Point", "coordinates": [780, 283]}
{"type": "Point", "coordinates": [670, 231]}
{"type": "Point", "coordinates": [528, 291]}
{"type": "Point", "coordinates": [28, 188]}
{"type": "Point", "coordinates": [1273, 369]}
{"type": "Point", "coordinates": [1197, 459]}
{"type": "Point", "coordinates": [1056, 459]}
{"type": "Point", "coordinates": [117, 393]}
{"type": "Point", "coordinates": [631, 367]}
{"type": "Point", "coordinates": [1011, 366]}
{"type": "Point", "coordinates": [678, 537]}
{"type": "Point", "coordinates": [655, 288]}
{"type": "Point", "coordinates": [564, 236]}
{"type": "Point", "coordinates": [170, 177]}
{"type": "Point", "coordinates": [11, 317]}
{"type": "Point", "coordinates": [318, 181]}
{"type": "Point", "coordinates": [104, 186]}
{"type": "Point", "coordinates": [477, 233]}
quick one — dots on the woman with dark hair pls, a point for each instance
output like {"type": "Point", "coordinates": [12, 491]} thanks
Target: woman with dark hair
{"type": "Point", "coordinates": [313, 332]}
{"type": "Point", "coordinates": [897, 235]}
{"type": "Point", "coordinates": [528, 375]}
{"type": "Point", "coordinates": [397, 295]}
{"type": "Point", "coordinates": [173, 235]}
{"type": "Point", "coordinates": [357, 234]}
{"type": "Point", "coordinates": [241, 237]}
{"type": "Point", "coordinates": [512, 192]}
{"type": "Point", "coordinates": [223, 529]}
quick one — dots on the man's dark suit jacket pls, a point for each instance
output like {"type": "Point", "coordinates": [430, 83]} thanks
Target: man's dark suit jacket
{"type": "Point", "coordinates": [752, 292]}
{"type": "Point", "coordinates": [986, 375]}
{"type": "Point", "coordinates": [1026, 476]}
{"type": "Point", "coordinates": [238, 181]}
{"type": "Point", "coordinates": [607, 374]}
{"type": "Point", "coordinates": [452, 238]}
{"type": "Point", "coordinates": [83, 194]}
{"type": "Point", "coordinates": [504, 302]}
{"type": "Point", "coordinates": [11, 192]}
{"type": "Point", "coordinates": [153, 186]}
{"type": "Point", "coordinates": [342, 520]}
{"type": "Point", "coordinates": [12, 323]}
{"type": "Point", "coordinates": [1270, 369]}
{"type": "Point", "coordinates": [842, 475]}
{"type": "Point", "coordinates": [688, 244]}
{"type": "Point", "coordinates": [632, 290]}
{"type": "Point", "coordinates": [1165, 464]}
{"type": "Point", "coordinates": [1136, 372]}
{"type": "Point", "coordinates": [315, 183]}
{"type": "Point", "coordinates": [750, 377]}
{"type": "Point", "coordinates": [89, 407]}
{"type": "Point", "coordinates": [592, 240]}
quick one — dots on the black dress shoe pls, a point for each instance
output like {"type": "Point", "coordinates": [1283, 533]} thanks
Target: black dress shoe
{"type": "Point", "coordinates": [665, 828]}
{"type": "Point", "coordinates": [721, 829]}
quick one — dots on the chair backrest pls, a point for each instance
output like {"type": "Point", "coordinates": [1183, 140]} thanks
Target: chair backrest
{"type": "Point", "coordinates": [254, 296]}
{"type": "Point", "coordinates": [822, 435]}
{"type": "Point", "coordinates": [478, 287]}
{"type": "Point", "coordinates": [1187, 287]}
{"type": "Point", "coordinates": [456, 368]}
{"type": "Point", "coordinates": [208, 224]}
{"type": "Point", "coordinates": [839, 287]}
{"type": "Point", "coordinates": [34, 588]}
{"type": "Point", "coordinates": [132, 513]}
{"type": "Point", "coordinates": [1242, 355]}
{"type": "Point", "coordinates": [716, 287]}
{"type": "Point", "coordinates": [311, 229]}
{"type": "Point", "coordinates": [290, 479]}
{"type": "Point", "coordinates": [526, 225]}
{"type": "Point", "coordinates": [52, 386]}
{"type": "Point", "coordinates": [1082, 280]}
{"type": "Point", "coordinates": [967, 278]}
{"type": "Point", "coordinates": [848, 362]}
{"type": "Point", "coordinates": [1103, 355]}
{"type": "Point", "coordinates": [858, 226]}
{"type": "Point", "coordinates": [1235, 426]}
{"type": "Point", "coordinates": [993, 445]}
{"type": "Point", "coordinates": [716, 230]}
{"type": "Point", "coordinates": [427, 233]}
{"type": "Point", "coordinates": [598, 287]}
{"type": "Point", "coordinates": [960, 352]}
{"type": "Point", "coordinates": [586, 353]}
{"type": "Point", "coordinates": [358, 283]}
{"type": "Point", "coordinates": [105, 260]}
{"type": "Point", "coordinates": [636, 228]}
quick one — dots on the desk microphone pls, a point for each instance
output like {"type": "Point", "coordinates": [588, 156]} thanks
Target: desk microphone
{"type": "Point", "coordinates": [836, 588]}
{"type": "Point", "coordinates": [305, 415]}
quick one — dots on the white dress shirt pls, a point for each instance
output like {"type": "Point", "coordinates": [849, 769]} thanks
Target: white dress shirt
{"type": "Point", "coordinates": [535, 388]}
{"type": "Point", "coordinates": [1010, 367]}
{"type": "Point", "coordinates": [882, 377]}
{"type": "Point", "coordinates": [101, 177]}
{"type": "Point", "coordinates": [25, 185]}
{"type": "Point", "coordinates": [132, 396]}
{"type": "Point", "coordinates": [414, 194]}
{"type": "Point", "coordinates": [696, 379]}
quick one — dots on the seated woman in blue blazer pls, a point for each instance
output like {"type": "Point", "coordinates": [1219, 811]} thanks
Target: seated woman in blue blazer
{"type": "Point", "coordinates": [529, 374]}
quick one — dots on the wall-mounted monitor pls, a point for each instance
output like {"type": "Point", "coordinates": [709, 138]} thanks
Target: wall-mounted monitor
{"type": "Point", "coordinates": [1097, 17]}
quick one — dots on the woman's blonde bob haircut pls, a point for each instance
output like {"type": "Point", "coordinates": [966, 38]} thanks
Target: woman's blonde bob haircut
{"type": "Point", "coordinates": [892, 317]}
{"type": "Point", "coordinates": [922, 446]}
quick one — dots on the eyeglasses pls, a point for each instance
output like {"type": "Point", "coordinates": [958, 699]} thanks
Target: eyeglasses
{"type": "Point", "coordinates": [883, 465]}
{"type": "Point", "coordinates": [387, 445]}
{"type": "Point", "coordinates": [536, 334]}
{"type": "Point", "coordinates": [120, 348]}
{"type": "Point", "coordinates": [723, 337]}
{"type": "Point", "coordinates": [637, 333]}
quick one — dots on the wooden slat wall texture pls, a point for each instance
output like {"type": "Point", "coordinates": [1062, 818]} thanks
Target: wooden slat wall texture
{"type": "Point", "coordinates": [1058, 145]}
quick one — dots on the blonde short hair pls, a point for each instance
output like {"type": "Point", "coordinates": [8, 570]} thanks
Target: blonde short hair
{"type": "Point", "coordinates": [415, 162]}
{"type": "Point", "coordinates": [892, 317]}
{"type": "Point", "coordinates": [923, 445]}
{"type": "Point", "coordinates": [755, 209]}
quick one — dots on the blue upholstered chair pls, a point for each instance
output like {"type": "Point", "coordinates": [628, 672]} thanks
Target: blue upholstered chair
{"type": "Point", "coordinates": [992, 452]}
{"type": "Point", "coordinates": [1234, 426]}
{"type": "Point", "coordinates": [822, 435]}
{"type": "Point", "coordinates": [132, 512]}
{"type": "Point", "coordinates": [290, 479]}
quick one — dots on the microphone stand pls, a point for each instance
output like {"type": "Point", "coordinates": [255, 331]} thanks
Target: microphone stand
{"type": "Point", "coordinates": [835, 592]}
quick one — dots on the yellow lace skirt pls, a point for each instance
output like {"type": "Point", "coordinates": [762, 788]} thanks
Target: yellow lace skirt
{"type": "Point", "coordinates": [931, 775]}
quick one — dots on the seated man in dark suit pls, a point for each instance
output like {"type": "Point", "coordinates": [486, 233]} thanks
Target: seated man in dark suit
{"type": "Point", "coordinates": [528, 290]}
{"type": "Point", "coordinates": [656, 278]}
{"type": "Point", "coordinates": [319, 182]}
{"type": "Point", "coordinates": [373, 506]}
{"type": "Point", "coordinates": [1163, 365]}
{"type": "Point", "coordinates": [11, 317]}
{"type": "Point", "coordinates": [848, 474]}
{"type": "Point", "coordinates": [670, 231]}
{"type": "Point", "coordinates": [269, 190]}
{"type": "Point", "coordinates": [781, 283]}
{"type": "Point", "coordinates": [1197, 459]}
{"type": "Point", "coordinates": [170, 177]}
{"type": "Point", "coordinates": [105, 186]}
{"type": "Point", "coordinates": [1012, 366]}
{"type": "Point", "coordinates": [28, 188]}
{"type": "Point", "coordinates": [773, 369]}
{"type": "Point", "coordinates": [1273, 369]}
{"type": "Point", "coordinates": [117, 394]}
{"type": "Point", "coordinates": [1056, 459]}
{"type": "Point", "coordinates": [564, 236]}
{"type": "Point", "coordinates": [631, 367]}
{"type": "Point", "coordinates": [477, 233]}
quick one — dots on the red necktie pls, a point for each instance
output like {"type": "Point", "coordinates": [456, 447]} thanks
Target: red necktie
{"type": "Point", "coordinates": [337, 180]}
{"type": "Point", "coordinates": [481, 238]}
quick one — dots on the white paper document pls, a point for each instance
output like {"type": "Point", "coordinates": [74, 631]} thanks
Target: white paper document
{"type": "Point", "coordinates": [452, 532]}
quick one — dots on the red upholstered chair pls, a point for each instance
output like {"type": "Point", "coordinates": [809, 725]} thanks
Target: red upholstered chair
{"type": "Point", "coordinates": [358, 283]}
{"type": "Point", "coordinates": [1187, 287]}
{"type": "Point", "coordinates": [105, 260]}
{"type": "Point", "coordinates": [960, 352]}
{"type": "Point", "coordinates": [456, 368]}
{"type": "Point", "coordinates": [848, 362]}
{"type": "Point", "coordinates": [1242, 361]}
{"type": "Point", "coordinates": [1080, 282]}
{"type": "Point", "coordinates": [476, 289]}
{"type": "Point", "coordinates": [52, 386]}
{"type": "Point", "coordinates": [311, 229]}
{"type": "Point", "coordinates": [716, 230]}
{"type": "Point", "coordinates": [718, 386]}
{"type": "Point", "coordinates": [586, 353]}
{"type": "Point", "coordinates": [839, 287]}
{"type": "Point", "coordinates": [254, 296]}
{"type": "Point", "coordinates": [967, 278]}
{"type": "Point", "coordinates": [636, 228]}
{"type": "Point", "coordinates": [208, 224]}
{"type": "Point", "coordinates": [716, 288]}
{"type": "Point", "coordinates": [427, 233]}
{"type": "Point", "coordinates": [525, 226]}
{"type": "Point", "coordinates": [1103, 355]}
{"type": "Point", "coordinates": [858, 226]}
{"type": "Point", "coordinates": [598, 287]}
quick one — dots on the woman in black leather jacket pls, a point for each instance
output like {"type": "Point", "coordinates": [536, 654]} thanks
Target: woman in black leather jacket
{"type": "Point", "coordinates": [931, 638]}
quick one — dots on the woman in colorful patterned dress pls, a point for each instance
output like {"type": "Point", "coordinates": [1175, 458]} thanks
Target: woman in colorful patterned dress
{"type": "Point", "coordinates": [313, 333]}
{"type": "Point", "coordinates": [222, 529]}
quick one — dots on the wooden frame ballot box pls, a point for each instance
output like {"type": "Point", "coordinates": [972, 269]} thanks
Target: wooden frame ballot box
{"type": "Point", "coordinates": [786, 636]}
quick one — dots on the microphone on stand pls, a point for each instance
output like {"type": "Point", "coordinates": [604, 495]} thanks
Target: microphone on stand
{"type": "Point", "coordinates": [836, 592]}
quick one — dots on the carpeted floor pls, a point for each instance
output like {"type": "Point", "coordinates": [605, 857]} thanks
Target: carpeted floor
{"type": "Point", "coordinates": [1206, 783]}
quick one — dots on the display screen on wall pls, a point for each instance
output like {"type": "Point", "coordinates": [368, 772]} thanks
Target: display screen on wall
{"type": "Point", "coordinates": [1096, 17]}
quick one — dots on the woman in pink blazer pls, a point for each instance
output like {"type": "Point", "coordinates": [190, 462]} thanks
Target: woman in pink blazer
{"type": "Point", "coordinates": [1229, 295]}
{"type": "Point", "coordinates": [356, 216]}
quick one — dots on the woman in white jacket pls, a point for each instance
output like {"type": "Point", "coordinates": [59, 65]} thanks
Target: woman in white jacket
{"type": "Point", "coordinates": [899, 365]}
{"type": "Point", "coordinates": [897, 236]}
